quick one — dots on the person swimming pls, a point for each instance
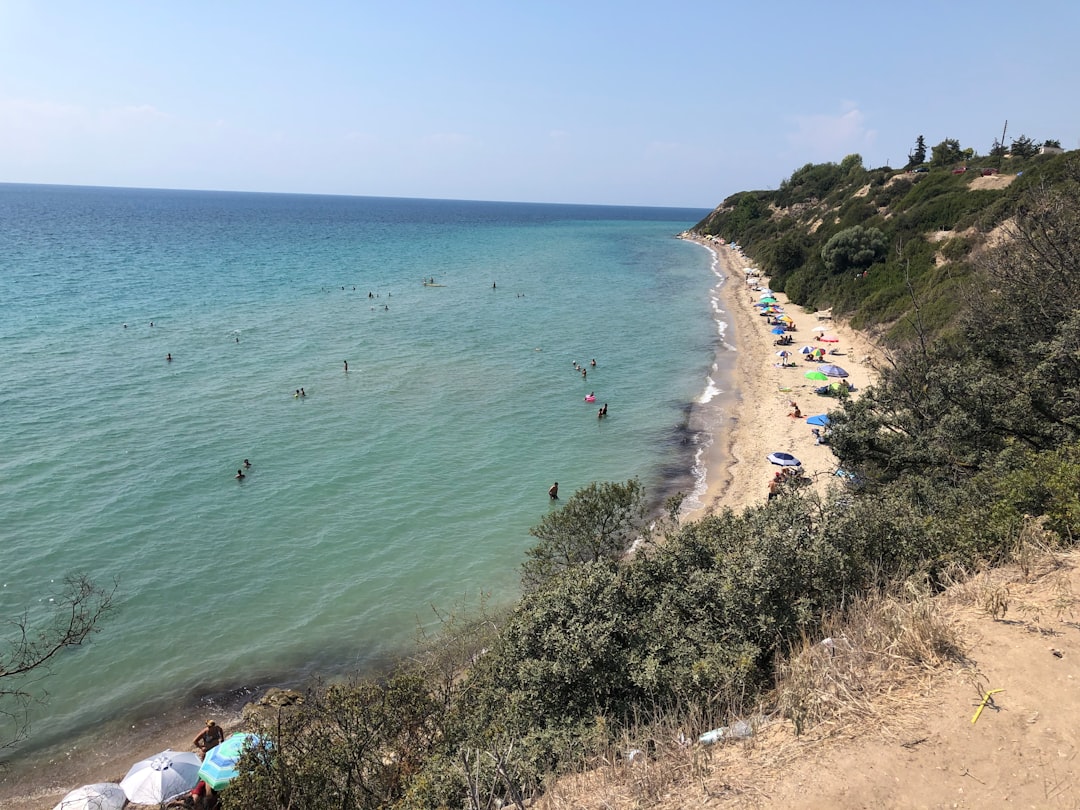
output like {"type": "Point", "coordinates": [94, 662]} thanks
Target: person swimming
{"type": "Point", "coordinates": [247, 464]}
{"type": "Point", "coordinates": [239, 475]}
{"type": "Point", "coordinates": [169, 357]}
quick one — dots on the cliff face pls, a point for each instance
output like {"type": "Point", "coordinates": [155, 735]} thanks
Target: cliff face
{"type": "Point", "coordinates": [876, 245]}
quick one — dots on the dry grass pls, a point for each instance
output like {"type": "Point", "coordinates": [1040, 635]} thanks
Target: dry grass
{"type": "Point", "coordinates": [856, 675]}
{"type": "Point", "coordinates": [864, 675]}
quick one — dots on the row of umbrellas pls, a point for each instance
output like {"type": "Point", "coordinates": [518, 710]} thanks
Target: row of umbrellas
{"type": "Point", "coordinates": [163, 777]}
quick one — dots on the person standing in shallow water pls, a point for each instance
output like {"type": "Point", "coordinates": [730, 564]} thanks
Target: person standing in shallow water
{"type": "Point", "coordinates": [346, 366]}
{"type": "Point", "coordinates": [553, 492]}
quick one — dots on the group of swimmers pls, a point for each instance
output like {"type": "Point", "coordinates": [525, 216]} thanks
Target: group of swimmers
{"type": "Point", "coordinates": [240, 474]}
{"type": "Point", "coordinates": [600, 414]}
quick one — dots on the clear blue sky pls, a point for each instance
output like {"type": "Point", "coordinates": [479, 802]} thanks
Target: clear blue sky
{"type": "Point", "coordinates": [636, 103]}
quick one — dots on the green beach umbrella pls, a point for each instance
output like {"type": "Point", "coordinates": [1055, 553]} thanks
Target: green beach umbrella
{"type": "Point", "coordinates": [816, 375]}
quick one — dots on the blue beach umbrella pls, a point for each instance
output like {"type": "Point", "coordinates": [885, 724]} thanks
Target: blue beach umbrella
{"type": "Point", "coordinates": [778, 330]}
{"type": "Point", "coordinates": [821, 420]}
{"type": "Point", "coordinates": [832, 371]}
{"type": "Point", "coordinates": [219, 765]}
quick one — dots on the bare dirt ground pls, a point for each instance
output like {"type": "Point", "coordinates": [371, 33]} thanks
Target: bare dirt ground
{"type": "Point", "coordinates": [920, 746]}
{"type": "Point", "coordinates": [991, 181]}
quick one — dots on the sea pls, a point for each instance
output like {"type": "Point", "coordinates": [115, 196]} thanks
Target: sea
{"type": "Point", "coordinates": [151, 341]}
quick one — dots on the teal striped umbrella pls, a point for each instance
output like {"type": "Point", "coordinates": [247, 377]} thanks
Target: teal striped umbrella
{"type": "Point", "coordinates": [219, 765]}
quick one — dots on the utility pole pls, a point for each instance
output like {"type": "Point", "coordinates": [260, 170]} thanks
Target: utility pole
{"type": "Point", "coordinates": [1001, 157]}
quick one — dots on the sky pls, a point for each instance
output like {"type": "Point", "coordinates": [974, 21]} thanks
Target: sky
{"type": "Point", "coordinates": [679, 103]}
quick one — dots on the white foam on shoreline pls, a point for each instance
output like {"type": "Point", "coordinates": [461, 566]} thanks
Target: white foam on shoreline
{"type": "Point", "coordinates": [705, 437]}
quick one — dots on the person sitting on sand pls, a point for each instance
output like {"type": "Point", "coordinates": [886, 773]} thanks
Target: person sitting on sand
{"type": "Point", "coordinates": [201, 797]}
{"type": "Point", "coordinates": [209, 737]}
{"type": "Point", "coordinates": [795, 412]}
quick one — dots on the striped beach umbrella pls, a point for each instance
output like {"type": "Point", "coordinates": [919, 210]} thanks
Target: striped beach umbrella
{"type": "Point", "coordinates": [219, 765]}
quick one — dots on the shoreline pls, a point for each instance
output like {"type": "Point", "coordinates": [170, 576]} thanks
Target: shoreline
{"type": "Point", "coordinates": [735, 436]}
{"type": "Point", "coordinates": [754, 421]}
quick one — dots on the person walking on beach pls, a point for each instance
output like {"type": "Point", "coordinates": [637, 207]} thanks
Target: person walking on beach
{"type": "Point", "coordinates": [553, 491]}
{"type": "Point", "coordinates": [209, 737]}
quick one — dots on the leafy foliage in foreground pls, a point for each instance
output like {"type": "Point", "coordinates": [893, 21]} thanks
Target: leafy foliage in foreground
{"type": "Point", "coordinates": [958, 451]}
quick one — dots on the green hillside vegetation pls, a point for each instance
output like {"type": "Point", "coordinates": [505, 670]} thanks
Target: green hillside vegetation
{"type": "Point", "coordinates": [927, 225]}
{"type": "Point", "coordinates": [965, 453]}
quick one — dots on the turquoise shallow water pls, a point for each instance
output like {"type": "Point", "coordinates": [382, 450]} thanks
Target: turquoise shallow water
{"type": "Point", "coordinates": [410, 481]}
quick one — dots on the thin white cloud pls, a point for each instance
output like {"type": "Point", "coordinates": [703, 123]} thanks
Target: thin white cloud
{"type": "Point", "coordinates": [824, 137]}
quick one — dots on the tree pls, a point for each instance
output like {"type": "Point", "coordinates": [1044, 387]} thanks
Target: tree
{"type": "Point", "coordinates": [947, 411]}
{"type": "Point", "coordinates": [854, 248]}
{"type": "Point", "coordinates": [851, 165]}
{"type": "Point", "coordinates": [598, 522]}
{"type": "Point", "coordinates": [1023, 147]}
{"type": "Point", "coordinates": [32, 645]}
{"type": "Point", "coordinates": [349, 745]}
{"type": "Point", "coordinates": [1052, 143]}
{"type": "Point", "coordinates": [946, 153]}
{"type": "Point", "coordinates": [917, 157]}
{"type": "Point", "coordinates": [998, 149]}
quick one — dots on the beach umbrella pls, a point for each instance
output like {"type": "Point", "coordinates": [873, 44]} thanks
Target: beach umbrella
{"type": "Point", "coordinates": [219, 766]}
{"type": "Point", "coordinates": [161, 777]}
{"type": "Point", "coordinates": [101, 796]}
{"type": "Point", "coordinates": [783, 459]}
{"type": "Point", "coordinates": [821, 420]}
{"type": "Point", "coordinates": [778, 330]}
{"type": "Point", "coordinates": [832, 371]}
{"type": "Point", "coordinates": [807, 350]}
{"type": "Point", "coordinates": [820, 329]}
{"type": "Point", "coordinates": [829, 338]}
{"type": "Point", "coordinates": [783, 353]}
{"type": "Point", "coordinates": [767, 299]}
{"type": "Point", "coordinates": [816, 375]}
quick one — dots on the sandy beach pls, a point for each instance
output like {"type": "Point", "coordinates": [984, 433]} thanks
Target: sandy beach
{"type": "Point", "coordinates": [737, 471]}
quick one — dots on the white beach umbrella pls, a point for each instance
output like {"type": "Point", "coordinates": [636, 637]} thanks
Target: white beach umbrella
{"type": "Point", "coordinates": [820, 329]}
{"type": "Point", "coordinates": [161, 777]}
{"type": "Point", "coordinates": [101, 796]}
